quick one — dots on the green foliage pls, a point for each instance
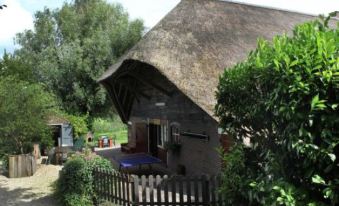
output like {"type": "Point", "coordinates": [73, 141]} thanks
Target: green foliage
{"type": "Point", "coordinates": [23, 111]}
{"type": "Point", "coordinates": [120, 136]}
{"type": "Point", "coordinates": [78, 200]}
{"type": "Point", "coordinates": [235, 176]}
{"type": "Point", "coordinates": [101, 125]}
{"type": "Point", "coordinates": [284, 98]}
{"type": "Point", "coordinates": [79, 124]}
{"type": "Point", "coordinates": [71, 47]}
{"type": "Point", "coordinates": [11, 65]}
{"type": "Point", "coordinates": [111, 127]}
{"type": "Point", "coordinates": [75, 185]}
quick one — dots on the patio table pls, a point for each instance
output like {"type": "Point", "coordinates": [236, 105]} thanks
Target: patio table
{"type": "Point", "coordinates": [137, 160]}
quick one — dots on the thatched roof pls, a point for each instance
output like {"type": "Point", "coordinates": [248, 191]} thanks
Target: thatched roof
{"type": "Point", "coordinates": [56, 119]}
{"type": "Point", "coordinates": [197, 40]}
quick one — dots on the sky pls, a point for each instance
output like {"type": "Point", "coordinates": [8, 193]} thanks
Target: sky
{"type": "Point", "coordinates": [19, 14]}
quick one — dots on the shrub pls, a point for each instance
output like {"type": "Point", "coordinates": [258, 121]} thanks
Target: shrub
{"type": "Point", "coordinates": [24, 108]}
{"type": "Point", "coordinates": [284, 98]}
{"type": "Point", "coordinates": [101, 125]}
{"type": "Point", "coordinates": [75, 185]}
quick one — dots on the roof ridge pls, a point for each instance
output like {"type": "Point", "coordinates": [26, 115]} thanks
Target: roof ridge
{"type": "Point", "coordinates": [262, 6]}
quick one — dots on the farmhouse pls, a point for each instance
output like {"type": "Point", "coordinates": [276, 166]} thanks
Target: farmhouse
{"type": "Point", "coordinates": [164, 87]}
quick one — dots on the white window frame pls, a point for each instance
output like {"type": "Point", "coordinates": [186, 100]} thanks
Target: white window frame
{"type": "Point", "coordinates": [162, 135]}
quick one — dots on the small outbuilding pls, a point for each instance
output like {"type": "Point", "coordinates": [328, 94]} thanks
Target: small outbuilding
{"type": "Point", "coordinates": [62, 131]}
{"type": "Point", "coordinates": [164, 87]}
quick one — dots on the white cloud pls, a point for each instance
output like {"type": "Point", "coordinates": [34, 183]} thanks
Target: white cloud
{"type": "Point", "coordinates": [13, 19]}
{"type": "Point", "coordinates": [151, 11]}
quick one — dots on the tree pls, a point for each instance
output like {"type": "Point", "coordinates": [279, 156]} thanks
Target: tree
{"type": "Point", "coordinates": [72, 46]}
{"type": "Point", "coordinates": [11, 65]}
{"type": "Point", "coordinates": [24, 108]}
{"type": "Point", "coordinates": [284, 98]}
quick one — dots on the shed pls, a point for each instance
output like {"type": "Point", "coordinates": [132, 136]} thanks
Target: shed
{"type": "Point", "coordinates": [62, 131]}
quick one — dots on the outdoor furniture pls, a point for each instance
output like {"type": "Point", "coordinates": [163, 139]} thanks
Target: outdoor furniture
{"type": "Point", "coordinates": [137, 160]}
{"type": "Point", "coordinates": [126, 148]}
{"type": "Point", "coordinates": [100, 143]}
{"type": "Point", "coordinates": [105, 142]}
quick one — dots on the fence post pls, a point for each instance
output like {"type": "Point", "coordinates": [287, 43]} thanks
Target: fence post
{"type": "Point", "coordinates": [96, 185]}
{"type": "Point", "coordinates": [205, 190]}
{"type": "Point", "coordinates": [214, 190]}
{"type": "Point", "coordinates": [173, 190]}
{"type": "Point", "coordinates": [166, 183]}
{"type": "Point", "coordinates": [135, 190]}
{"type": "Point", "coordinates": [143, 189]}
{"type": "Point", "coordinates": [158, 186]}
{"type": "Point", "coordinates": [151, 189]}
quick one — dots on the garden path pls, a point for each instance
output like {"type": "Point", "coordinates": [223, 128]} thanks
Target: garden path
{"type": "Point", "coordinates": [30, 191]}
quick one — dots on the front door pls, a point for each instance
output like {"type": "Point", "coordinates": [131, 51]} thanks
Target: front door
{"type": "Point", "coordinates": [153, 139]}
{"type": "Point", "coordinates": [157, 139]}
{"type": "Point", "coordinates": [141, 137]}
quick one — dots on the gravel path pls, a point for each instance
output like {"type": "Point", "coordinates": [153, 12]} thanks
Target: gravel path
{"type": "Point", "coordinates": [30, 191]}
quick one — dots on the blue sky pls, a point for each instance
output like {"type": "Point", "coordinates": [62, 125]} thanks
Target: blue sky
{"type": "Point", "coordinates": [19, 14]}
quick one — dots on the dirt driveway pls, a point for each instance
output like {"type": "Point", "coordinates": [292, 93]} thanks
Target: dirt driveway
{"type": "Point", "coordinates": [30, 191]}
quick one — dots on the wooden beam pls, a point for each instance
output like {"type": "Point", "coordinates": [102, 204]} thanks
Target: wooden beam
{"type": "Point", "coordinates": [151, 84]}
{"type": "Point", "coordinates": [125, 96]}
{"type": "Point", "coordinates": [129, 106]}
{"type": "Point", "coordinates": [136, 91]}
{"type": "Point", "coordinates": [110, 92]}
{"type": "Point", "coordinates": [115, 98]}
{"type": "Point", "coordinates": [119, 90]}
{"type": "Point", "coordinates": [131, 66]}
{"type": "Point", "coordinates": [132, 89]}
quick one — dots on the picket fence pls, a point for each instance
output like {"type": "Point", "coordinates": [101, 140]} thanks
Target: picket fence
{"type": "Point", "coordinates": [123, 189]}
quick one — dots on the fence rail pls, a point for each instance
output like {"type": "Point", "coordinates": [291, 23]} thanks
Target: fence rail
{"type": "Point", "coordinates": [128, 190]}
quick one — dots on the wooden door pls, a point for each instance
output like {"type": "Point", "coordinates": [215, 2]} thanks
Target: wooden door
{"type": "Point", "coordinates": [141, 137]}
{"type": "Point", "coordinates": [153, 137]}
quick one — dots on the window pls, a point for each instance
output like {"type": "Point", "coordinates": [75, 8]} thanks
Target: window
{"type": "Point", "coordinates": [160, 131]}
{"type": "Point", "coordinates": [175, 132]}
{"type": "Point", "coordinates": [162, 134]}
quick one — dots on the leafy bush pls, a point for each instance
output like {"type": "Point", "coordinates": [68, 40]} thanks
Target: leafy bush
{"type": "Point", "coordinates": [101, 125]}
{"type": "Point", "coordinates": [79, 124]}
{"type": "Point", "coordinates": [75, 185]}
{"type": "Point", "coordinates": [24, 108]}
{"type": "Point", "coordinates": [284, 99]}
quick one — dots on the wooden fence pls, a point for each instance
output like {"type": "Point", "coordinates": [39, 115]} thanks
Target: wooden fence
{"type": "Point", "coordinates": [123, 189]}
{"type": "Point", "coordinates": [21, 165]}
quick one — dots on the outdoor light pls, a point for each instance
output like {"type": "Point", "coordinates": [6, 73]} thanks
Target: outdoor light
{"type": "Point", "coordinates": [160, 104]}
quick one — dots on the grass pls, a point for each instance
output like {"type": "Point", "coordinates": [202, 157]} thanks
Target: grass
{"type": "Point", "coordinates": [111, 127]}
{"type": "Point", "coordinates": [121, 135]}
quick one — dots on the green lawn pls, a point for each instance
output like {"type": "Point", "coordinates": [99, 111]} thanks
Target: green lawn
{"type": "Point", "coordinates": [121, 135]}
{"type": "Point", "coordinates": [111, 127]}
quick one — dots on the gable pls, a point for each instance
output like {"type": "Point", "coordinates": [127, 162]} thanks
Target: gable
{"type": "Point", "coordinates": [198, 39]}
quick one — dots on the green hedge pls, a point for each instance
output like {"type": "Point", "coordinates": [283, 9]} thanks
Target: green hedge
{"type": "Point", "coordinates": [75, 185]}
{"type": "Point", "coordinates": [285, 99]}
